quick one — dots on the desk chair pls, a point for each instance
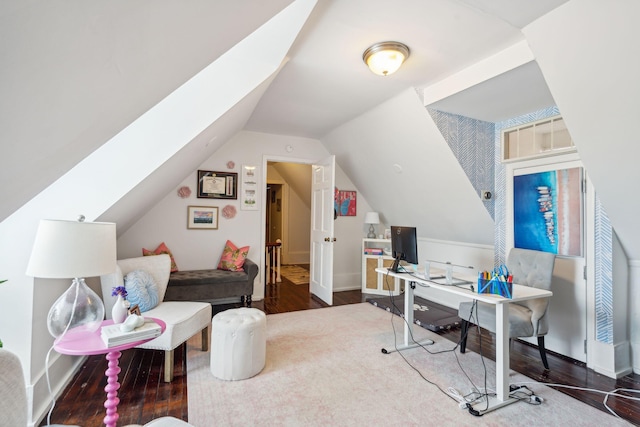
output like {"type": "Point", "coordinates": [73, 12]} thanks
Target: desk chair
{"type": "Point", "coordinates": [526, 318]}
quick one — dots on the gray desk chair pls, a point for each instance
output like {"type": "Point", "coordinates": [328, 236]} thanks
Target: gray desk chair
{"type": "Point", "coordinates": [526, 318]}
{"type": "Point", "coordinates": [13, 396]}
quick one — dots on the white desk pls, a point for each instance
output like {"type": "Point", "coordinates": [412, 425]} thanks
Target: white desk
{"type": "Point", "coordinates": [520, 293]}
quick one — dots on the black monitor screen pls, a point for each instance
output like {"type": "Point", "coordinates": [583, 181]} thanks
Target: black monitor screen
{"type": "Point", "coordinates": [404, 245]}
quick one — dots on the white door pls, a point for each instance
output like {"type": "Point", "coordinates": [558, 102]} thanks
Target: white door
{"type": "Point", "coordinates": [568, 306]}
{"type": "Point", "coordinates": [322, 197]}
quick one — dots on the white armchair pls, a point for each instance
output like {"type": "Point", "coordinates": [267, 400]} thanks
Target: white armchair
{"type": "Point", "coordinates": [183, 318]}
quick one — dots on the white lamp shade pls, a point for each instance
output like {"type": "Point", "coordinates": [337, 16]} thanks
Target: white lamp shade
{"type": "Point", "coordinates": [69, 249]}
{"type": "Point", "coordinates": [371, 218]}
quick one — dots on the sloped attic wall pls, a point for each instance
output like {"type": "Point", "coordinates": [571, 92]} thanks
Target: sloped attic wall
{"type": "Point", "coordinates": [471, 141]}
{"type": "Point", "coordinates": [596, 88]}
{"type": "Point", "coordinates": [76, 73]}
{"type": "Point", "coordinates": [111, 171]}
{"type": "Point", "coordinates": [417, 180]}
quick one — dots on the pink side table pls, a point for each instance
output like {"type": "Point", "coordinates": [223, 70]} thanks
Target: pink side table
{"type": "Point", "coordinates": [85, 343]}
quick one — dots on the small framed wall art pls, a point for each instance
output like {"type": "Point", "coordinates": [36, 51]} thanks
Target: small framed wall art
{"type": "Point", "coordinates": [345, 203]}
{"type": "Point", "coordinates": [217, 185]}
{"type": "Point", "coordinates": [249, 188]}
{"type": "Point", "coordinates": [202, 217]}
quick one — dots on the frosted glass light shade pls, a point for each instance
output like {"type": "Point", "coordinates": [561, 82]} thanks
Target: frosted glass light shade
{"type": "Point", "coordinates": [79, 307]}
{"type": "Point", "coordinates": [385, 58]}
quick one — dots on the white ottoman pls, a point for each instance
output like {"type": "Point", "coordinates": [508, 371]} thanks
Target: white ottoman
{"type": "Point", "coordinates": [238, 343]}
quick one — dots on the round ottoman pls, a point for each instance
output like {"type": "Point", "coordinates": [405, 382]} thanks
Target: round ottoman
{"type": "Point", "coordinates": [238, 343]}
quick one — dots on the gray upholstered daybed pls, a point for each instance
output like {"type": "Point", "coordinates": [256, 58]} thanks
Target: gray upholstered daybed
{"type": "Point", "coordinates": [210, 285]}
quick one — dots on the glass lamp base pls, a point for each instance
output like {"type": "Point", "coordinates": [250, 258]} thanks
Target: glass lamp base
{"type": "Point", "coordinates": [78, 307]}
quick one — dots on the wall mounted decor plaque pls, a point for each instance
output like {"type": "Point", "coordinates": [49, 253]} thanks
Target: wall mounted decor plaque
{"type": "Point", "coordinates": [217, 185]}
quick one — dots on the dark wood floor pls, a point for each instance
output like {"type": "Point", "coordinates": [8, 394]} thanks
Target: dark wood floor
{"type": "Point", "coordinates": [144, 396]}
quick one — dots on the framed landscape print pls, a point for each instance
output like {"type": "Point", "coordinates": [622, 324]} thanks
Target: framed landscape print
{"type": "Point", "coordinates": [202, 217]}
{"type": "Point", "coordinates": [217, 185]}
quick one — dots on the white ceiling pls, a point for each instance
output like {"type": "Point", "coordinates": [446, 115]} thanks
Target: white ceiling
{"type": "Point", "coordinates": [325, 83]}
{"type": "Point", "coordinates": [76, 76]}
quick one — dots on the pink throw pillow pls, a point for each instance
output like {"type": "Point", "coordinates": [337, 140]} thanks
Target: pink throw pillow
{"type": "Point", "coordinates": [162, 249]}
{"type": "Point", "coordinates": [232, 258]}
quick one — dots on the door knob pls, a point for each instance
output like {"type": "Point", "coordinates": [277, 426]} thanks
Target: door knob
{"type": "Point", "coordinates": [326, 239]}
{"type": "Point", "coordinates": [334, 239]}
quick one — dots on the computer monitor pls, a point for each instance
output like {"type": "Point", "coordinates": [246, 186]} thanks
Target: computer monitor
{"type": "Point", "coordinates": [404, 246]}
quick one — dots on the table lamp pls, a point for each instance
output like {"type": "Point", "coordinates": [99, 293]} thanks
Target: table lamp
{"type": "Point", "coordinates": [74, 249]}
{"type": "Point", "coordinates": [371, 218]}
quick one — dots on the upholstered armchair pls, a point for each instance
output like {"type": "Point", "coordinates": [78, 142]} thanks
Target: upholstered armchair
{"type": "Point", "coordinates": [183, 318]}
{"type": "Point", "coordinates": [526, 318]}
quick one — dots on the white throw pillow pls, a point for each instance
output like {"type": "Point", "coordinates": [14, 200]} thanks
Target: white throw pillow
{"type": "Point", "coordinates": [141, 290]}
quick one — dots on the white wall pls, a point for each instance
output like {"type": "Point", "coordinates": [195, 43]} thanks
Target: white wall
{"type": "Point", "coordinates": [349, 232]}
{"type": "Point", "coordinates": [465, 254]}
{"type": "Point", "coordinates": [199, 249]}
{"type": "Point", "coordinates": [396, 155]}
{"type": "Point", "coordinates": [596, 91]}
{"type": "Point", "coordinates": [298, 224]}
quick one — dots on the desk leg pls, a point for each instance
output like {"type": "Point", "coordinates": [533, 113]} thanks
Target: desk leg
{"type": "Point", "coordinates": [409, 286]}
{"type": "Point", "coordinates": [502, 363]}
{"type": "Point", "coordinates": [111, 404]}
{"type": "Point", "coordinates": [502, 351]}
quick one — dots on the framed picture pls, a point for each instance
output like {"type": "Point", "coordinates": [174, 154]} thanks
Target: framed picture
{"type": "Point", "coordinates": [249, 188]}
{"type": "Point", "coordinates": [547, 211]}
{"type": "Point", "coordinates": [202, 217]}
{"type": "Point", "coordinates": [345, 203]}
{"type": "Point", "coordinates": [217, 185]}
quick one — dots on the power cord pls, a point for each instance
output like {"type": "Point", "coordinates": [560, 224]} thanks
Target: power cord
{"type": "Point", "coordinates": [467, 405]}
{"type": "Point", "coordinates": [607, 394]}
{"type": "Point", "coordinates": [517, 390]}
{"type": "Point", "coordinates": [52, 396]}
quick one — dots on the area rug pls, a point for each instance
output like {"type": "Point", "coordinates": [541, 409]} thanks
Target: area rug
{"type": "Point", "coordinates": [295, 274]}
{"type": "Point", "coordinates": [324, 367]}
{"type": "Point", "coordinates": [426, 314]}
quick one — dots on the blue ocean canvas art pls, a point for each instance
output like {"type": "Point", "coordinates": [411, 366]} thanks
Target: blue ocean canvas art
{"type": "Point", "coordinates": [547, 211]}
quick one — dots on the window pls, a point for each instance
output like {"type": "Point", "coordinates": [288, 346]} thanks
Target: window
{"type": "Point", "coordinates": [542, 138]}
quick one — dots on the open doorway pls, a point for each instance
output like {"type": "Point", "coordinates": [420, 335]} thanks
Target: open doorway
{"type": "Point", "coordinates": [273, 210]}
{"type": "Point", "coordinates": [288, 212]}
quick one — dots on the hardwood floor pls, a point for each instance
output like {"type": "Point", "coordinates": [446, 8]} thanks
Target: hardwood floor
{"type": "Point", "coordinates": [144, 396]}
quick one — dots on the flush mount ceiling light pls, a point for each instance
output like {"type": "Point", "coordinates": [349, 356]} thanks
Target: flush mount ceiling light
{"type": "Point", "coordinates": [385, 58]}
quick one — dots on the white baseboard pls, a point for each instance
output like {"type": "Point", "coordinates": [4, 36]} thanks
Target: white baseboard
{"type": "Point", "coordinates": [346, 282]}
{"type": "Point", "coordinates": [611, 360]}
{"type": "Point", "coordinates": [61, 371]}
{"type": "Point", "coordinates": [299, 257]}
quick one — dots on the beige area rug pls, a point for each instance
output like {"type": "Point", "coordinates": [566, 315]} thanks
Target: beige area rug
{"type": "Point", "coordinates": [325, 368]}
{"type": "Point", "coordinates": [295, 274]}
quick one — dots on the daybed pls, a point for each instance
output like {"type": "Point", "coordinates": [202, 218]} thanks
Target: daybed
{"type": "Point", "coordinates": [210, 285]}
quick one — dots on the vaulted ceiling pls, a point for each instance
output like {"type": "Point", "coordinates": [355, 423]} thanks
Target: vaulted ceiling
{"type": "Point", "coordinates": [75, 74]}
